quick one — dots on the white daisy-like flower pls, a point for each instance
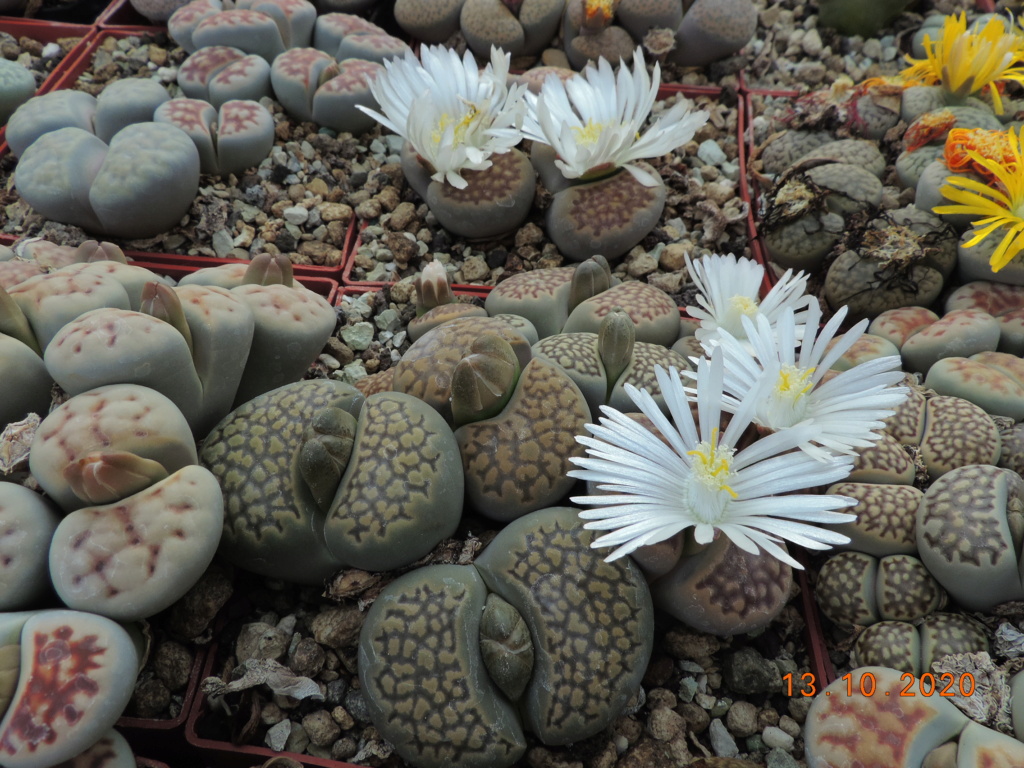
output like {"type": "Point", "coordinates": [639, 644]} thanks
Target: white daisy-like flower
{"type": "Point", "coordinates": [729, 291]}
{"type": "Point", "coordinates": [846, 411]}
{"type": "Point", "coordinates": [700, 481]}
{"type": "Point", "coordinates": [593, 120]}
{"type": "Point", "coordinates": [454, 115]}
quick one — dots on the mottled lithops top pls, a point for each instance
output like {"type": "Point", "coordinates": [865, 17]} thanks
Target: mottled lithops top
{"type": "Point", "coordinates": [653, 312]}
{"type": "Point", "coordinates": [592, 622]}
{"type": "Point", "coordinates": [393, 497]}
{"type": "Point", "coordinates": [125, 418]}
{"type": "Point", "coordinates": [539, 295]}
{"type": "Point", "coordinates": [426, 685]}
{"type": "Point", "coordinates": [516, 462]}
{"type": "Point", "coordinates": [425, 371]}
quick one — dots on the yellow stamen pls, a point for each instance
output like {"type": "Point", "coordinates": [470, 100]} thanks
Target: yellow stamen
{"type": "Point", "coordinates": [744, 305]}
{"type": "Point", "coordinates": [794, 382]}
{"type": "Point", "coordinates": [711, 464]}
{"type": "Point", "coordinates": [589, 133]}
{"type": "Point", "coordinates": [459, 129]}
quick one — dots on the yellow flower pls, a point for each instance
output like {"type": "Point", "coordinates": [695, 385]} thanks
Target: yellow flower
{"type": "Point", "coordinates": [1001, 205]}
{"type": "Point", "coordinates": [965, 62]}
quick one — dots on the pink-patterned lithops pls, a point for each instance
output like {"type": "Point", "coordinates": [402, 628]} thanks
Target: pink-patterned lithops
{"type": "Point", "coordinates": [898, 325]}
{"type": "Point", "coordinates": [966, 534]}
{"type": "Point", "coordinates": [332, 28]}
{"type": "Point", "coordinates": [185, 19]}
{"type": "Point", "coordinates": [111, 751]}
{"type": "Point", "coordinates": [199, 68]}
{"type": "Point", "coordinates": [77, 674]}
{"type": "Point", "coordinates": [862, 719]}
{"type": "Point", "coordinates": [121, 418]}
{"type": "Point", "coordinates": [248, 78]}
{"type": "Point", "coordinates": [116, 346]}
{"type": "Point", "coordinates": [249, 31]}
{"type": "Point", "coordinates": [959, 333]}
{"type": "Point", "coordinates": [139, 186]}
{"type": "Point", "coordinates": [27, 523]}
{"type": "Point", "coordinates": [335, 102]}
{"type": "Point", "coordinates": [235, 137]}
{"type": "Point", "coordinates": [132, 558]}
{"type": "Point", "coordinates": [295, 18]}
{"type": "Point", "coordinates": [51, 301]}
{"type": "Point", "coordinates": [371, 46]}
{"type": "Point", "coordinates": [982, 379]}
{"type": "Point", "coordinates": [295, 76]}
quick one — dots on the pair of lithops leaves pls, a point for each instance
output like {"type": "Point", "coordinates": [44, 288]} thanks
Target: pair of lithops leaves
{"type": "Point", "coordinates": [65, 678]}
{"type": "Point", "coordinates": [122, 163]}
{"type": "Point", "coordinates": [906, 730]}
{"type": "Point", "coordinates": [540, 634]}
{"type": "Point", "coordinates": [129, 523]}
{"type": "Point", "coordinates": [222, 336]}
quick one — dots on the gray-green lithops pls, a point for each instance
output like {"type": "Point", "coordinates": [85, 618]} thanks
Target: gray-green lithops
{"type": "Point", "coordinates": [885, 517]}
{"type": "Point", "coordinates": [909, 648]}
{"type": "Point", "coordinates": [399, 493]}
{"type": "Point", "coordinates": [969, 530]}
{"type": "Point", "coordinates": [565, 634]}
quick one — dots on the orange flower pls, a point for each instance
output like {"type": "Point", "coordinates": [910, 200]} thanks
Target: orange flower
{"type": "Point", "coordinates": [961, 143]}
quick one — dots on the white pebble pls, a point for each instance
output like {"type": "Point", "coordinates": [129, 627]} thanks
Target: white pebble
{"type": "Point", "coordinates": [775, 737]}
{"type": "Point", "coordinates": [50, 51]}
{"type": "Point", "coordinates": [295, 215]}
{"type": "Point", "coordinates": [710, 153]}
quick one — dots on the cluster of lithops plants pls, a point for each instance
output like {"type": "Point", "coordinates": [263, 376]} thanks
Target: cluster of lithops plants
{"type": "Point", "coordinates": [691, 34]}
{"type": "Point", "coordinates": [939, 497]}
{"type": "Point", "coordinates": [130, 519]}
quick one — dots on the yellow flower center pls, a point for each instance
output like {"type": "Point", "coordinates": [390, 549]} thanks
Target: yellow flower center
{"type": "Point", "coordinates": [793, 383]}
{"type": "Point", "coordinates": [711, 464]}
{"type": "Point", "coordinates": [743, 305]}
{"type": "Point", "coordinates": [589, 133]}
{"type": "Point", "coordinates": [599, 9]}
{"type": "Point", "coordinates": [460, 128]}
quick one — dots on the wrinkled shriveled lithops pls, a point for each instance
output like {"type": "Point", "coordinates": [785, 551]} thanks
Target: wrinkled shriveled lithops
{"type": "Point", "coordinates": [235, 137]}
{"type": "Point", "coordinates": [27, 523]}
{"type": "Point", "coordinates": [516, 460]}
{"type": "Point", "coordinates": [846, 726]}
{"type": "Point", "coordinates": [969, 533]}
{"type": "Point", "coordinates": [913, 648]}
{"type": "Point", "coordinates": [140, 185]}
{"type": "Point", "coordinates": [132, 558]}
{"type": "Point", "coordinates": [806, 211]}
{"type": "Point", "coordinates": [77, 673]}
{"type": "Point", "coordinates": [422, 668]}
{"type": "Point", "coordinates": [857, 589]}
{"type": "Point", "coordinates": [886, 516]}
{"type": "Point", "coordinates": [300, 503]}
{"type": "Point", "coordinates": [592, 622]}
{"type": "Point", "coordinates": [109, 421]}
{"type": "Point", "coordinates": [426, 369]}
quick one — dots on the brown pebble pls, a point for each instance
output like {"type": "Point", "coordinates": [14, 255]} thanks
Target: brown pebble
{"type": "Point", "coordinates": [331, 212]}
{"type": "Point", "coordinates": [172, 663]}
{"type": "Point", "coordinates": [151, 698]}
{"type": "Point", "coordinates": [344, 748]}
{"type": "Point", "coordinates": [318, 187]}
{"type": "Point", "coordinates": [337, 627]}
{"type": "Point", "coordinates": [389, 198]}
{"type": "Point", "coordinates": [343, 718]}
{"type": "Point", "coordinates": [368, 209]}
{"type": "Point", "coordinates": [665, 724]}
{"type": "Point", "coordinates": [321, 728]}
{"type": "Point", "coordinates": [321, 254]}
{"type": "Point", "coordinates": [402, 248]}
{"type": "Point", "coordinates": [647, 753]}
{"type": "Point", "coordinates": [696, 717]}
{"type": "Point", "coordinates": [403, 218]}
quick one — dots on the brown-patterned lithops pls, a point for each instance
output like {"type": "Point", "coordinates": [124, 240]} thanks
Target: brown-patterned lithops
{"type": "Point", "coordinates": [315, 479]}
{"type": "Point", "coordinates": [539, 616]}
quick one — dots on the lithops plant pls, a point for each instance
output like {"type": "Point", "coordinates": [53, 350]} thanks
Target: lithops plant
{"type": "Point", "coordinates": [521, 27]}
{"type": "Point", "coordinates": [903, 730]}
{"type": "Point", "coordinates": [602, 363]}
{"type": "Point", "coordinates": [713, 30]}
{"type": "Point", "coordinates": [16, 87]}
{"type": "Point", "coordinates": [886, 515]}
{"type": "Point", "coordinates": [140, 185]}
{"type": "Point", "coordinates": [516, 431]}
{"type": "Point", "coordinates": [472, 177]}
{"type": "Point", "coordinates": [111, 751]}
{"type": "Point", "coordinates": [858, 589]}
{"type": "Point", "coordinates": [27, 523]}
{"type": "Point", "coordinates": [565, 639]}
{"type": "Point", "coordinates": [1004, 302]}
{"type": "Point", "coordinates": [968, 533]}
{"type": "Point", "coordinates": [230, 139]}
{"type": "Point", "coordinates": [135, 556]}
{"type": "Point", "coordinates": [219, 73]}
{"type": "Point", "coordinates": [914, 647]}
{"type": "Point", "coordinates": [603, 200]}
{"type": "Point", "coordinates": [76, 673]}
{"type": "Point", "coordinates": [316, 479]}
